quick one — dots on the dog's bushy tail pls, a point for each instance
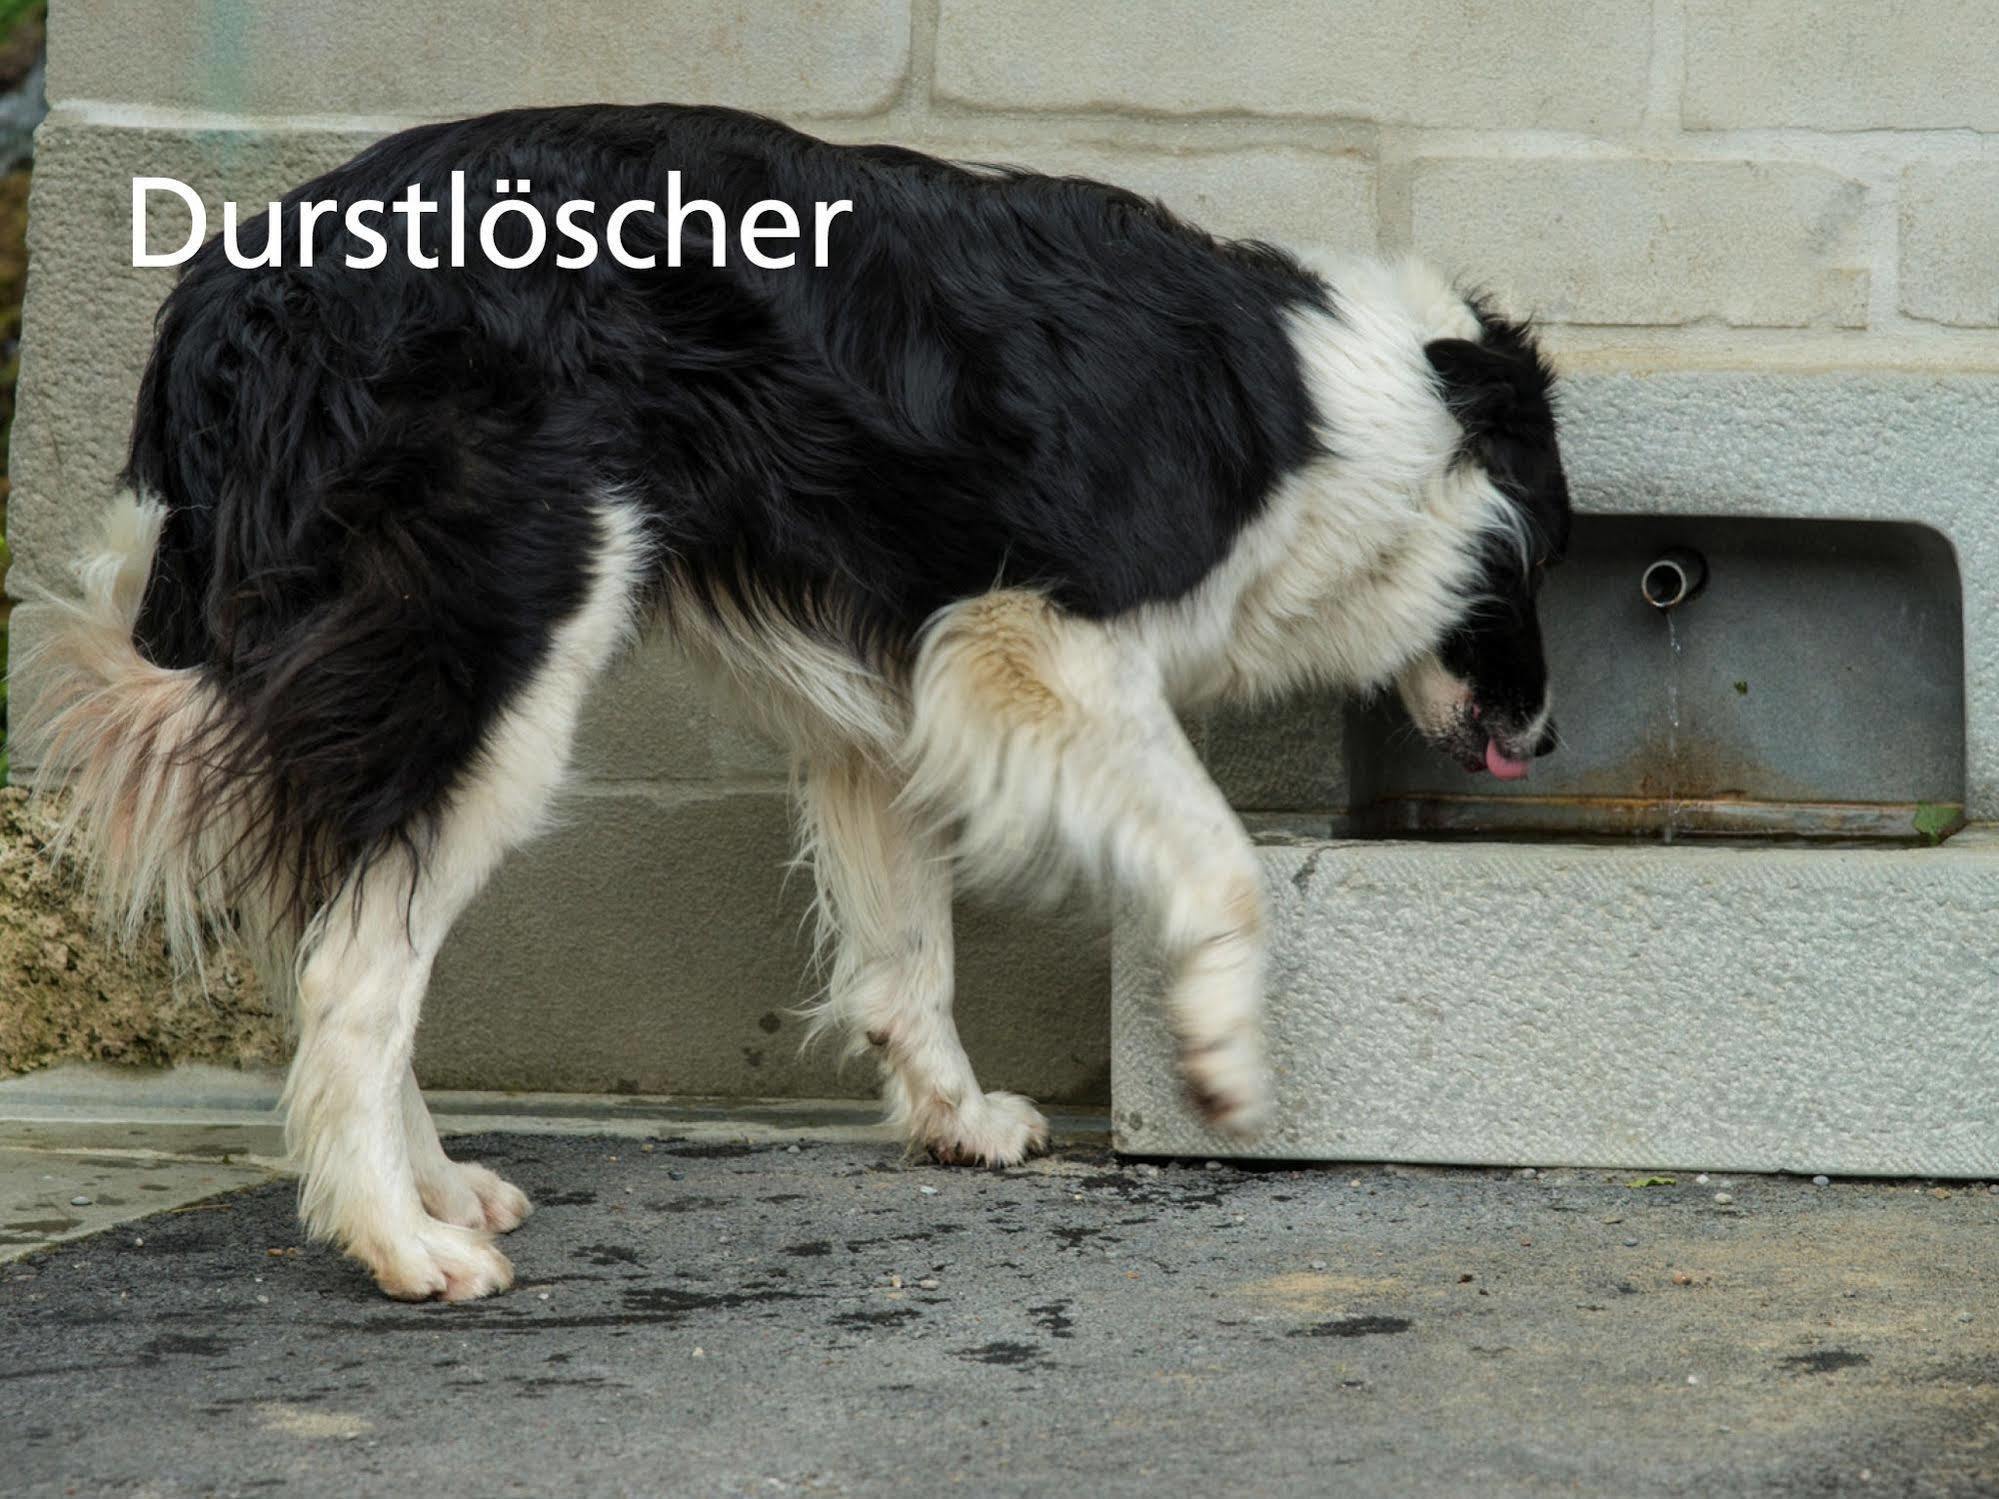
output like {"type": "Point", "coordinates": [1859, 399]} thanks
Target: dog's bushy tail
{"type": "Point", "coordinates": [153, 820]}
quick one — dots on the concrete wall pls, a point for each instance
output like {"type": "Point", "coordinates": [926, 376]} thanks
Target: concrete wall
{"type": "Point", "coordinates": [1750, 184]}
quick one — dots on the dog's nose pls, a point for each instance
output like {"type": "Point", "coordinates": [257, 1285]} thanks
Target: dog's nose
{"type": "Point", "coordinates": [1549, 739]}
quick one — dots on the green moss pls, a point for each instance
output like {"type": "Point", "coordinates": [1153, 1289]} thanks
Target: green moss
{"type": "Point", "coordinates": [1936, 821]}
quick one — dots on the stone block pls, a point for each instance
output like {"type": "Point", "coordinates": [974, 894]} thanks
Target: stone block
{"type": "Point", "coordinates": [1950, 243]}
{"type": "Point", "coordinates": [357, 57]}
{"type": "Point", "coordinates": [1858, 65]}
{"type": "Point", "coordinates": [1291, 196]}
{"type": "Point", "coordinates": [1803, 1010]}
{"type": "Point", "coordinates": [1750, 244]}
{"type": "Point", "coordinates": [1429, 62]}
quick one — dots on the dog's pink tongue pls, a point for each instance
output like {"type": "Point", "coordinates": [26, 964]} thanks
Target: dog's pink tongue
{"type": "Point", "coordinates": [1500, 765]}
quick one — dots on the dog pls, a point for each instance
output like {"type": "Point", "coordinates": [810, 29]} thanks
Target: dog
{"type": "Point", "coordinates": [962, 516]}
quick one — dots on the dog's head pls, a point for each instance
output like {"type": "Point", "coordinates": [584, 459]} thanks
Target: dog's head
{"type": "Point", "coordinates": [1482, 695]}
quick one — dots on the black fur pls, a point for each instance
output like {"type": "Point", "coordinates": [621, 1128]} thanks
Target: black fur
{"type": "Point", "coordinates": [1502, 392]}
{"type": "Point", "coordinates": [377, 480]}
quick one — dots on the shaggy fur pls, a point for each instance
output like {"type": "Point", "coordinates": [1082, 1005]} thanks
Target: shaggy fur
{"type": "Point", "coordinates": [963, 516]}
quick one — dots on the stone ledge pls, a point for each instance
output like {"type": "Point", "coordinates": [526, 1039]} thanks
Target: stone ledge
{"type": "Point", "coordinates": [1700, 1007]}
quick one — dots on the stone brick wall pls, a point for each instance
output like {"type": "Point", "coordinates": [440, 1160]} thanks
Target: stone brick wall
{"type": "Point", "coordinates": [1763, 179]}
{"type": "Point", "coordinates": [1748, 184]}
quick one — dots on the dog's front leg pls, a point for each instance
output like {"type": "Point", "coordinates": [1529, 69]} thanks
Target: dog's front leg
{"type": "Point", "coordinates": [1050, 741]}
{"type": "Point", "coordinates": [885, 905]}
{"type": "Point", "coordinates": [461, 1192]}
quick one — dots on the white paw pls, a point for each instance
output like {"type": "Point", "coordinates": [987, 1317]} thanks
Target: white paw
{"type": "Point", "coordinates": [438, 1261]}
{"type": "Point", "coordinates": [1228, 1082]}
{"type": "Point", "coordinates": [996, 1129]}
{"type": "Point", "coordinates": [471, 1196]}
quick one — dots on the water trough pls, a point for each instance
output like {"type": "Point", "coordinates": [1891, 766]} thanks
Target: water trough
{"type": "Point", "coordinates": [1747, 918]}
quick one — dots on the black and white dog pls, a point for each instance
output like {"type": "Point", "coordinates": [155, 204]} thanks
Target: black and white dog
{"type": "Point", "coordinates": [963, 516]}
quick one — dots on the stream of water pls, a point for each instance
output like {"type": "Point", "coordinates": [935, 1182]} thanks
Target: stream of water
{"type": "Point", "coordinates": [1672, 721]}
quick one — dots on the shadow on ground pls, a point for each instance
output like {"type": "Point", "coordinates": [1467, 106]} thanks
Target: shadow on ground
{"type": "Point", "coordinates": [710, 1318]}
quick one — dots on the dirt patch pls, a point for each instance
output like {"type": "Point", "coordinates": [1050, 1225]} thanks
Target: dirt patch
{"type": "Point", "coordinates": [66, 994]}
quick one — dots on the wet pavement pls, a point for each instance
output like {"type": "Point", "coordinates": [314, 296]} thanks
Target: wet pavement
{"type": "Point", "coordinates": [48, 1197]}
{"type": "Point", "coordinates": [705, 1316]}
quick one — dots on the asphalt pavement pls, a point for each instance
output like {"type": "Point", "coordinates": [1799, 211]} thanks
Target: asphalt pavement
{"type": "Point", "coordinates": [704, 1316]}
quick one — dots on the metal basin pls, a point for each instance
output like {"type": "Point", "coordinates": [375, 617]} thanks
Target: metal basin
{"type": "Point", "coordinates": [1812, 689]}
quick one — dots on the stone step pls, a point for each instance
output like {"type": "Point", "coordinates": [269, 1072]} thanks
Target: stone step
{"type": "Point", "coordinates": [1728, 1008]}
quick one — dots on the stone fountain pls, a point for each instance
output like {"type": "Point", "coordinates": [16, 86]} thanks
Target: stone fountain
{"type": "Point", "coordinates": [1747, 918]}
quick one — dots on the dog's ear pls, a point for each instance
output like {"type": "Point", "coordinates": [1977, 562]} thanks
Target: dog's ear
{"type": "Point", "coordinates": [1491, 391]}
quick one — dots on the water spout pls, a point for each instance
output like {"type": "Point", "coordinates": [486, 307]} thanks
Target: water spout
{"type": "Point", "coordinates": [1673, 578]}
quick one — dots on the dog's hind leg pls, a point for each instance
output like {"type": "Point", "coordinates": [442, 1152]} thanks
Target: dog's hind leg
{"type": "Point", "coordinates": [885, 907]}
{"type": "Point", "coordinates": [359, 993]}
{"type": "Point", "coordinates": [376, 1180]}
{"type": "Point", "coordinates": [1050, 743]}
